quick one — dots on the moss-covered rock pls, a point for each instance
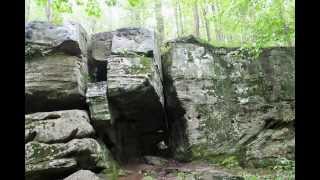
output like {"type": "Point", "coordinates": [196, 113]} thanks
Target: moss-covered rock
{"type": "Point", "coordinates": [58, 160]}
{"type": "Point", "coordinates": [228, 103]}
{"type": "Point", "coordinates": [57, 126]}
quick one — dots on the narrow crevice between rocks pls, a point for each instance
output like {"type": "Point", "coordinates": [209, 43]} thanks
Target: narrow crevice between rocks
{"type": "Point", "coordinates": [177, 125]}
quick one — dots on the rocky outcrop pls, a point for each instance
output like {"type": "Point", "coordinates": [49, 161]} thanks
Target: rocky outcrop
{"type": "Point", "coordinates": [43, 37]}
{"type": "Point", "coordinates": [124, 59]}
{"type": "Point", "coordinates": [229, 104]}
{"type": "Point", "coordinates": [58, 135]}
{"type": "Point", "coordinates": [196, 102]}
{"type": "Point", "coordinates": [60, 142]}
{"type": "Point", "coordinates": [55, 67]}
{"type": "Point", "coordinates": [53, 161]}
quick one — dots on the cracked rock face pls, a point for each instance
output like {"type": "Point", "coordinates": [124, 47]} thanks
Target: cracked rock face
{"type": "Point", "coordinates": [123, 59]}
{"type": "Point", "coordinates": [227, 103]}
{"type": "Point", "coordinates": [55, 82]}
{"type": "Point", "coordinates": [45, 161]}
{"type": "Point", "coordinates": [57, 126]}
{"type": "Point", "coordinates": [55, 67]}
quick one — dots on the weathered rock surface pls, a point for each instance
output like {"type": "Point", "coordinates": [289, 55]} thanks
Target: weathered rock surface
{"type": "Point", "coordinates": [44, 37]}
{"type": "Point", "coordinates": [229, 104]}
{"type": "Point", "coordinates": [54, 82]}
{"type": "Point", "coordinates": [206, 102]}
{"type": "Point", "coordinates": [57, 126]}
{"type": "Point", "coordinates": [133, 40]}
{"type": "Point", "coordinates": [100, 113]}
{"type": "Point", "coordinates": [98, 102]}
{"type": "Point", "coordinates": [124, 59]}
{"type": "Point", "coordinates": [83, 175]}
{"type": "Point", "coordinates": [52, 161]}
{"type": "Point", "coordinates": [55, 67]}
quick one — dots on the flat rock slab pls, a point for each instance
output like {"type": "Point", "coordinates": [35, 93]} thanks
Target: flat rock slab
{"type": "Point", "coordinates": [100, 46]}
{"type": "Point", "coordinates": [55, 82]}
{"type": "Point", "coordinates": [125, 41]}
{"type": "Point", "coordinates": [57, 126]}
{"type": "Point", "coordinates": [83, 175]}
{"type": "Point", "coordinates": [136, 40]}
{"type": "Point", "coordinates": [50, 160]}
{"type": "Point", "coordinates": [69, 38]}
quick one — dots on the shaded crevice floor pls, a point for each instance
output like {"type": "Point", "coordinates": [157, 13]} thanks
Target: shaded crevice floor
{"type": "Point", "coordinates": [170, 170]}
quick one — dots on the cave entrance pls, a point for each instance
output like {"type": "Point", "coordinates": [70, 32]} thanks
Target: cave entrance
{"type": "Point", "coordinates": [140, 124]}
{"type": "Point", "coordinates": [135, 141]}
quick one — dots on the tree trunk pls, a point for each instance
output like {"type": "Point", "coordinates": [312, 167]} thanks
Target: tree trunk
{"type": "Point", "coordinates": [49, 11]}
{"type": "Point", "coordinates": [206, 21]}
{"type": "Point", "coordinates": [27, 15]}
{"type": "Point", "coordinates": [159, 20]}
{"type": "Point", "coordinates": [180, 17]}
{"type": "Point", "coordinates": [176, 18]}
{"type": "Point", "coordinates": [219, 35]}
{"type": "Point", "coordinates": [196, 19]}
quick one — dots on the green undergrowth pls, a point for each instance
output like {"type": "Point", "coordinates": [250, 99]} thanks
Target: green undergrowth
{"type": "Point", "coordinates": [113, 172]}
{"type": "Point", "coordinates": [278, 169]}
{"type": "Point", "coordinates": [283, 169]}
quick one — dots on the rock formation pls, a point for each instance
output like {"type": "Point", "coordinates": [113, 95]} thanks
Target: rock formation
{"type": "Point", "coordinates": [229, 104]}
{"type": "Point", "coordinates": [114, 96]}
{"type": "Point", "coordinates": [55, 67]}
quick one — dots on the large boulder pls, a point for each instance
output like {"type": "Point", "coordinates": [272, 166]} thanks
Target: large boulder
{"type": "Point", "coordinates": [57, 126]}
{"type": "Point", "coordinates": [55, 82]}
{"type": "Point", "coordinates": [43, 37]}
{"type": "Point", "coordinates": [125, 60]}
{"type": "Point", "coordinates": [55, 67]}
{"type": "Point", "coordinates": [133, 40]}
{"type": "Point", "coordinates": [221, 102]}
{"type": "Point", "coordinates": [55, 161]}
{"type": "Point", "coordinates": [123, 41]}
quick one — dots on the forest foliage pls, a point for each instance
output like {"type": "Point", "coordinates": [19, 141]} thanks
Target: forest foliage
{"type": "Point", "coordinates": [245, 23]}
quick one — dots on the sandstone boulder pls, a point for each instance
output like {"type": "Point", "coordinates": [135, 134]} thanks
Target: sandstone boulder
{"type": "Point", "coordinates": [57, 126]}
{"type": "Point", "coordinates": [125, 60]}
{"type": "Point", "coordinates": [43, 37]}
{"type": "Point", "coordinates": [53, 161]}
{"type": "Point", "coordinates": [133, 40]}
{"type": "Point", "coordinates": [55, 82]}
{"type": "Point", "coordinates": [55, 67]}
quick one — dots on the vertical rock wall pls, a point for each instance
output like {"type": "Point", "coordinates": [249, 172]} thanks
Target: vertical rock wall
{"type": "Point", "coordinates": [59, 136]}
{"type": "Point", "coordinates": [229, 104]}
